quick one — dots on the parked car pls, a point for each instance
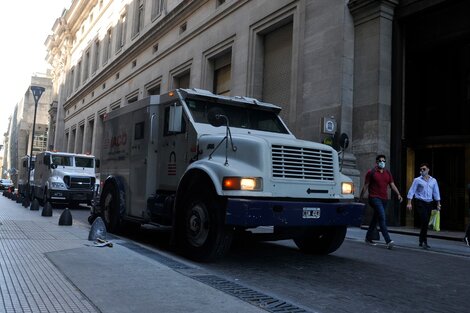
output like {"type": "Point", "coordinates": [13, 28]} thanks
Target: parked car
{"type": "Point", "coordinates": [5, 184]}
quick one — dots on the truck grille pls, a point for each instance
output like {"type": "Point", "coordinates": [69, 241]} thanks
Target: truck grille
{"type": "Point", "coordinates": [302, 163]}
{"type": "Point", "coordinates": [79, 182]}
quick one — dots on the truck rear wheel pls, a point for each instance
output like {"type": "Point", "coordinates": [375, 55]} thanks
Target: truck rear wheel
{"type": "Point", "coordinates": [322, 240]}
{"type": "Point", "coordinates": [110, 208]}
{"type": "Point", "coordinates": [203, 235]}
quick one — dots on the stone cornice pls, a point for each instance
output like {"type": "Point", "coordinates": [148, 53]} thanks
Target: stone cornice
{"type": "Point", "coordinates": [78, 12]}
{"type": "Point", "coordinates": [366, 10]}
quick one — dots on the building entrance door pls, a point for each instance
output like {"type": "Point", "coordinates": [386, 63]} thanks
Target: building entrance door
{"type": "Point", "coordinates": [433, 81]}
{"type": "Point", "coordinates": [448, 167]}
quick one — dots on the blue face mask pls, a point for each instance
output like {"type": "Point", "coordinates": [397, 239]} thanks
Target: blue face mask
{"type": "Point", "coordinates": [424, 173]}
{"type": "Point", "coordinates": [381, 164]}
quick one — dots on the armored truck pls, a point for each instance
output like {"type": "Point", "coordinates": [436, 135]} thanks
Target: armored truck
{"type": "Point", "coordinates": [211, 167]}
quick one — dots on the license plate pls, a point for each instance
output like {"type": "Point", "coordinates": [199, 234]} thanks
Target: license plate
{"type": "Point", "coordinates": [311, 213]}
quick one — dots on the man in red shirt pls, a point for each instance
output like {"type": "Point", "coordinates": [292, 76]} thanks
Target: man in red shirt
{"type": "Point", "coordinates": [376, 182]}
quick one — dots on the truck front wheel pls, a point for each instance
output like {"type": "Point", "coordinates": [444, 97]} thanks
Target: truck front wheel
{"type": "Point", "coordinates": [110, 208]}
{"type": "Point", "coordinates": [321, 240]}
{"type": "Point", "coordinates": [203, 235]}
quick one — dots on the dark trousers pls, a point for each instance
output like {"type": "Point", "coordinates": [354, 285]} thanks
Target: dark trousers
{"type": "Point", "coordinates": [379, 206]}
{"type": "Point", "coordinates": [424, 210]}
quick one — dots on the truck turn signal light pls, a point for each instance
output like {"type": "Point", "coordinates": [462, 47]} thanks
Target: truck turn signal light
{"type": "Point", "coordinates": [242, 183]}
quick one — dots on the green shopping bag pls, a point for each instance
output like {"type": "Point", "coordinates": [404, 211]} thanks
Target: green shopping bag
{"type": "Point", "coordinates": [435, 220]}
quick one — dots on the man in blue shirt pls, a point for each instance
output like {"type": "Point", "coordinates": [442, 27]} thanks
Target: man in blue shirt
{"type": "Point", "coordinates": [425, 190]}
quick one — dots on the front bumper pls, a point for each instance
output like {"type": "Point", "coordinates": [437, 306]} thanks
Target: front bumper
{"type": "Point", "coordinates": [255, 212]}
{"type": "Point", "coordinates": [82, 196]}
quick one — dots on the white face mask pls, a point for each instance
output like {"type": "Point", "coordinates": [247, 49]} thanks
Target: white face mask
{"type": "Point", "coordinates": [381, 164]}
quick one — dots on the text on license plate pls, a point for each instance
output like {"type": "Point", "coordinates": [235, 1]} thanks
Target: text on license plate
{"type": "Point", "coordinates": [311, 213]}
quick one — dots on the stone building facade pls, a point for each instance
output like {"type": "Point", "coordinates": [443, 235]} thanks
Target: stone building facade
{"type": "Point", "coordinates": [336, 60]}
{"type": "Point", "coordinates": [18, 137]}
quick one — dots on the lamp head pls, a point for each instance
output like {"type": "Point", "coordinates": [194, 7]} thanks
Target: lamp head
{"type": "Point", "coordinates": [37, 92]}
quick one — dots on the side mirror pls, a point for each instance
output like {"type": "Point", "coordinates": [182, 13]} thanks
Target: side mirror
{"type": "Point", "coordinates": [97, 163]}
{"type": "Point", "coordinates": [214, 117]}
{"type": "Point", "coordinates": [53, 166]}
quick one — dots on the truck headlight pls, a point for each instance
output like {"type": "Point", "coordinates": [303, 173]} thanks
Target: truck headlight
{"type": "Point", "coordinates": [242, 183]}
{"type": "Point", "coordinates": [347, 188]}
{"type": "Point", "coordinates": [58, 185]}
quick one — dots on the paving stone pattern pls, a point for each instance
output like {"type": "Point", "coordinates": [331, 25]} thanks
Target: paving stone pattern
{"type": "Point", "coordinates": [29, 282]}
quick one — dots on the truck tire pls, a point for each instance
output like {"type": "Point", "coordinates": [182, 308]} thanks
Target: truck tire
{"type": "Point", "coordinates": [202, 234]}
{"type": "Point", "coordinates": [110, 208]}
{"type": "Point", "coordinates": [321, 241]}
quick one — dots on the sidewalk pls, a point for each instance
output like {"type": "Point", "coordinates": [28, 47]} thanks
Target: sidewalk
{"type": "Point", "coordinates": [449, 243]}
{"type": "Point", "coordinates": [45, 267]}
{"type": "Point", "coordinates": [442, 234]}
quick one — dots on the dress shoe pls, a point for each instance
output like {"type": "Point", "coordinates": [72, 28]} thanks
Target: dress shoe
{"type": "Point", "coordinates": [424, 245]}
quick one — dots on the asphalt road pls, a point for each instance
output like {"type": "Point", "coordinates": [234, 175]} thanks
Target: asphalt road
{"type": "Point", "coordinates": [356, 278]}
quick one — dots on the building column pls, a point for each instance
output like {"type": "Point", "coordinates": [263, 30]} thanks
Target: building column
{"type": "Point", "coordinates": [59, 139]}
{"type": "Point", "coordinates": [80, 136]}
{"type": "Point", "coordinates": [88, 135]}
{"type": "Point", "coordinates": [373, 24]}
{"type": "Point", "coordinates": [98, 133]}
{"type": "Point", "coordinates": [372, 114]}
{"type": "Point", "coordinates": [52, 128]}
{"type": "Point", "coordinates": [72, 139]}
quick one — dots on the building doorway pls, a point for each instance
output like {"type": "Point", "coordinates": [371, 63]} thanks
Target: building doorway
{"type": "Point", "coordinates": [448, 167]}
{"type": "Point", "coordinates": [434, 89]}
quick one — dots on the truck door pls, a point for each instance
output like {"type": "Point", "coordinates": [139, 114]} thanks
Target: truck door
{"type": "Point", "coordinates": [138, 162]}
{"type": "Point", "coordinates": [173, 158]}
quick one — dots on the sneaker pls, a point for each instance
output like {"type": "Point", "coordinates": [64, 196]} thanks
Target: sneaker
{"type": "Point", "coordinates": [424, 245]}
{"type": "Point", "coordinates": [370, 242]}
{"type": "Point", "coordinates": [466, 241]}
{"type": "Point", "coordinates": [390, 245]}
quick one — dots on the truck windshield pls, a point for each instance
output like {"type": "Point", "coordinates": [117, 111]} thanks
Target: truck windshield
{"type": "Point", "coordinates": [63, 160]}
{"type": "Point", "coordinates": [239, 116]}
{"type": "Point", "coordinates": [83, 162]}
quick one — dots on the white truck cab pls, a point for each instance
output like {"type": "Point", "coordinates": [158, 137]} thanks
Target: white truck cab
{"type": "Point", "coordinates": [211, 167]}
{"type": "Point", "coordinates": [65, 178]}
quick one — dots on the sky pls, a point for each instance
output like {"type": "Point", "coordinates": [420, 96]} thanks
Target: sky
{"type": "Point", "coordinates": [24, 27]}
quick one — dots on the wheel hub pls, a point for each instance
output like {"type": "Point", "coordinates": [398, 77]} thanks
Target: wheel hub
{"type": "Point", "coordinates": [198, 225]}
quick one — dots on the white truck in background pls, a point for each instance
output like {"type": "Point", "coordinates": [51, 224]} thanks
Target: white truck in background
{"type": "Point", "coordinates": [210, 167]}
{"type": "Point", "coordinates": [65, 178]}
{"type": "Point", "coordinates": [24, 184]}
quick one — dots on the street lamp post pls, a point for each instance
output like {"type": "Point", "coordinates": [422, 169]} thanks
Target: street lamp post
{"type": "Point", "coordinates": [37, 93]}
